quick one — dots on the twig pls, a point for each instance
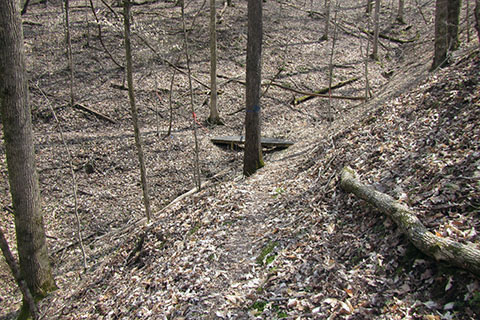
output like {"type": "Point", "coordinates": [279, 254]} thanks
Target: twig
{"type": "Point", "coordinates": [318, 95]}
{"type": "Point", "coordinates": [170, 104]}
{"type": "Point", "coordinates": [74, 179]}
{"type": "Point", "coordinates": [110, 8]}
{"type": "Point", "coordinates": [168, 62]}
{"type": "Point", "coordinates": [196, 171]}
{"type": "Point", "coordinates": [101, 38]}
{"type": "Point", "coordinates": [133, 109]}
{"type": "Point", "coordinates": [330, 63]}
{"type": "Point", "coordinates": [306, 93]}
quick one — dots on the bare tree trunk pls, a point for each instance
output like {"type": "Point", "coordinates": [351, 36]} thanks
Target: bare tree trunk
{"type": "Point", "coordinates": [87, 25]}
{"type": "Point", "coordinates": [133, 109]}
{"type": "Point", "coordinates": [376, 31]}
{"type": "Point", "coordinates": [477, 18]}
{"type": "Point", "coordinates": [453, 20]}
{"type": "Point", "coordinates": [253, 157]}
{"type": "Point", "coordinates": [170, 104]}
{"type": "Point", "coordinates": [441, 34]}
{"type": "Point", "coordinates": [19, 149]}
{"type": "Point", "coordinates": [196, 169]}
{"type": "Point", "coordinates": [401, 7]}
{"type": "Point", "coordinates": [467, 20]}
{"type": "Point", "coordinates": [447, 16]}
{"type": "Point", "coordinates": [69, 50]}
{"type": "Point", "coordinates": [327, 20]}
{"type": "Point", "coordinates": [330, 66]}
{"type": "Point", "coordinates": [367, 50]}
{"type": "Point", "coordinates": [214, 117]}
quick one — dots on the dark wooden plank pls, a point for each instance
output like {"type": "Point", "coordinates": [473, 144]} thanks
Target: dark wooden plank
{"type": "Point", "coordinates": [237, 140]}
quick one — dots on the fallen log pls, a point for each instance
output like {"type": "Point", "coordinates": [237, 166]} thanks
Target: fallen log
{"type": "Point", "coordinates": [307, 95]}
{"type": "Point", "coordinates": [390, 38]}
{"type": "Point", "coordinates": [318, 95]}
{"type": "Point", "coordinates": [465, 256]}
{"type": "Point", "coordinates": [325, 90]}
{"type": "Point", "coordinates": [94, 112]}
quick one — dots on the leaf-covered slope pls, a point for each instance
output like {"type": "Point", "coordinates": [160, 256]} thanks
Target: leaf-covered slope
{"type": "Point", "coordinates": [289, 243]}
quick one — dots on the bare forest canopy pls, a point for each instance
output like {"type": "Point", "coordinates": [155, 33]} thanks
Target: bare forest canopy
{"type": "Point", "coordinates": [287, 242]}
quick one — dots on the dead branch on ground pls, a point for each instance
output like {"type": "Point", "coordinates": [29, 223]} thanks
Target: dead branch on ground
{"type": "Point", "coordinates": [389, 38]}
{"type": "Point", "coordinates": [325, 90]}
{"type": "Point", "coordinates": [96, 113]}
{"type": "Point", "coordinates": [465, 256]}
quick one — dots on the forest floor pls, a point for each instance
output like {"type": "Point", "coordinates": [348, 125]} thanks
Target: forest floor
{"type": "Point", "coordinates": [285, 242]}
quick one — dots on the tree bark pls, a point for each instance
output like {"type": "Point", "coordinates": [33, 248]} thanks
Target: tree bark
{"type": "Point", "coordinates": [253, 157]}
{"type": "Point", "coordinates": [327, 20]}
{"type": "Point", "coordinates": [133, 109]}
{"type": "Point", "coordinates": [477, 19]}
{"type": "Point", "coordinates": [214, 117]}
{"type": "Point", "coordinates": [441, 36]}
{"type": "Point", "coordinates": [18, 137]}
{"type": "Point", "coordinates": [376, 30]}
{"type": "Point", "coordinates": [447, 14]}
{"type": "Point", "coordinates": [441, 249]}
{"type": "Point", "coordinates": [401, 7]}
{"type": "Point", "coordinates": [454, 7]}
{"type": "Point", "coordinates": [69, 51]}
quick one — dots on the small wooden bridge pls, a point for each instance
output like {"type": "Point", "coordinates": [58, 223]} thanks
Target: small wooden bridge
{"type": "Point", "coordinates": [240, 140]}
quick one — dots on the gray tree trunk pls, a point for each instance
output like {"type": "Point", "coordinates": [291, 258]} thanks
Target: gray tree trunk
{"type": "Point", "coordinates": [17, 128]}
{"type": "Point", "coordinates": [441, 37]}
{"type": "Point", "coordinates": [327, 20]}
{"type": "Point", "coordinates": [454, 7]}
{"type": "Point", "coordinates": [376, 30]}
{"type": "Point", "coordinates": [253, 158]}
{"type": "Point", "coordinates": [477, 18]}
{"type": "Point", "coordinates": [69, 51]}
{"type": "Point", "coordinates": [214, 117]}
{"type": "Point", "coordinates": [133, 109]}
{"type": "Point", "coordinates": [401, 7]}
{"type": "Point", "coordinates": [447, 14]}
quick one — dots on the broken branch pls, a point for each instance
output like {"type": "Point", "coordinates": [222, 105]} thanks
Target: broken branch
{"type": "Point", "coordinates": [322, 92]}
{"type": "Point", "coordinates": [96, 113]}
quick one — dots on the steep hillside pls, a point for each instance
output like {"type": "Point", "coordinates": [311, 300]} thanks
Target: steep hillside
{"type": "Point", "coordinates": [286, 242]}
